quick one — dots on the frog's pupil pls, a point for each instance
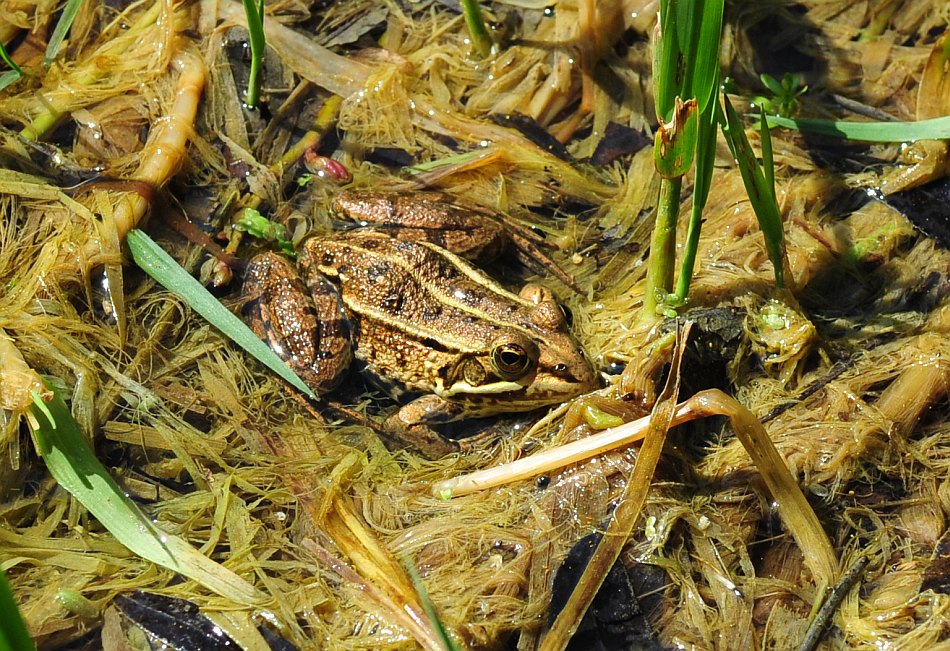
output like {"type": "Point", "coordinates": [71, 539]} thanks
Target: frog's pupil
{"type": "Point", "coordinates": [511, 359]}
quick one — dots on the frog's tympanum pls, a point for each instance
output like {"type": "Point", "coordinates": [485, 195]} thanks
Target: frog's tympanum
{"type": "Point", "coordinates": [419, 320]}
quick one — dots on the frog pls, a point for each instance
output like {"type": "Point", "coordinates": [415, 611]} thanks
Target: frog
{"type": "Point", "coordinates": [401, 299]}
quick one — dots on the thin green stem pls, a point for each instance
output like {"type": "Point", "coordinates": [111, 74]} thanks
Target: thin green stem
{"type": "Point", "coordinates": [42, 124]}
{"type": "Point", "coordinates": [662, 247]}
{"type": "Point", "coordinates": [253, 83]}
{"type": "Point", "coordinates": [689, 253]}
{"type": "Point", "coordinates": [256, 38]}
{"type": "Point", "coordinates": [481, 39]}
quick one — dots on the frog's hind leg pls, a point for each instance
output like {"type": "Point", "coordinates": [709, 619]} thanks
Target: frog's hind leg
{"type": "Point", "coordinates": [303, 322]}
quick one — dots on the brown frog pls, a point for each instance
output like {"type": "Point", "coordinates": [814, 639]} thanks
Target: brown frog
{"type": "Point", "coordinates": [422, 322]}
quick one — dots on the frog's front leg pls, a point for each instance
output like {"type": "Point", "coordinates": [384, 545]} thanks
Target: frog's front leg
{"type": "Point", "coordinates": [411, 426]}
{"type": "Point", "coordinates": [303, 322]}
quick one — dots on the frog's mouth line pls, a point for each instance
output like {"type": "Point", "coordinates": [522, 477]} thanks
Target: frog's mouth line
{"type": "Point", "coordinates": [465, 388]}
{"type": "Point", "coordinates": [540, 393]}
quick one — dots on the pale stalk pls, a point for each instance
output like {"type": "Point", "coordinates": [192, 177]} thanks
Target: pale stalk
{"type": "Point", "coordinates": [557, 457]}
{"type": "Point", "coordinates": [794, 509]}
{"type": "Point", "coordinates": [18, 380]}
{"type": "Point", "coordinates": [625, 516]}
{"type": "Point", "coordinates": [168, 139]}
{"type": "Point", "coordinates": [915, 389]}
{"type": "Point", "coordinates": [376, 566]}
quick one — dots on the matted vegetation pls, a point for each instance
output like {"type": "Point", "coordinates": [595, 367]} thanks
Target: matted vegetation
{"type": "Point", "coordinates": [138, 121]}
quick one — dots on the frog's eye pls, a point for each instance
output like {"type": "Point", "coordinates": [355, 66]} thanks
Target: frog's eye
{"type": "Point", "coordinates": [510, 360]}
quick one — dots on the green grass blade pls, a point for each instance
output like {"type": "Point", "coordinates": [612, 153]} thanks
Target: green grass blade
{"type": "Point", "coordinates": [702, 51]}
{"type": "Point", "coordinates": [255, 31]}
{"type": "Point", "coordinates": [761, 195]}
{"type": "Point", "coordinates": [9, 61]}
{"type": "Point", "coordinates": [13, 633]}
{"type": "Point", "coordinates": [933, 129]}
{"type": "Point", "coordinates": [14, 74]}
{"type": "Point", "coordinates": [475, 23]}
{"type": "Point", "coordinates": [73, 465]}
{"type": "Point", "coordinates": [666, 58]}
{"type": "Point", "coordinates": [706, 77]}
{"type": "Point", "coordinates": [163, 268]}
{"type": "Point", "coordinates": [705, 164]}
{"type": "Point", "coordinates": [448, 643]}
{"type": "Point", "coordinates": [62, 28]}
{"type": "Point", "coordinates": [768, 162]}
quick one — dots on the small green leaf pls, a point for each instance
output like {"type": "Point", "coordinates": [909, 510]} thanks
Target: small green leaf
{"type": "Point", "coordinates": [772, 84]}
{"type": "Point", "coordinates": [163, 268]}
{"type": "Point", "coordinates": [14, 635]}
{"type": "Point", "coordinates": [600, 419]}
{"type": "Point", "coordinates": [62, 28]}
{"type": "Point", "coordinates": [254, 223]}
{"type": "Point", "coordinates": [74, 602]}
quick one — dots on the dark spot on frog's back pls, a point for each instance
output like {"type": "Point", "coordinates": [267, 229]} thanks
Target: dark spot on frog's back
{"type": "Point", "coordinates": [379, 271]}
{"type": "Point", "coordinates": [392, 302]}
{"type": "Point", "coordinates": [327, 259]}
{"type": "Point", "coordinates": [447, 271]}
{"type": "Point", "coordinates": [403, 246]}
{"type": "Point", "coordinates": [434, 344]}
{"type": "Point", "coordinates": [370, 244]}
